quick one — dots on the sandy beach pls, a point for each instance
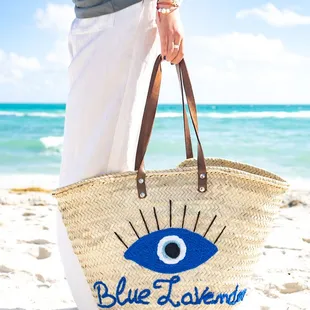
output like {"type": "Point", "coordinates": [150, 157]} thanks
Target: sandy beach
{"type": "Point", "coordinates": [31, 274]}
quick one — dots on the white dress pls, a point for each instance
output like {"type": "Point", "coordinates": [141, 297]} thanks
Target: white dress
{"type": "Point", "coordinates": [112, 60]}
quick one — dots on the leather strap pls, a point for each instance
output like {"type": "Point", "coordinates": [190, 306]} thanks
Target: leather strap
{"type": "Point", "coordinates": [148, 122]}
{"type": "Point", "coordinates": [187, 135]}
{"type": "Point", "coordinates": [191, 102]}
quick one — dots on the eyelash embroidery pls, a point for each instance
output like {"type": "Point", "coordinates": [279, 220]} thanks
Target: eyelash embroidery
{"type": "Point", "coordinates": [216, 240]}
{"type": "Point", "coordinates": [170, 224]}
{"type": "Point", "coordinates": [155, 214]}
{"type": "Point", "coordinates": [170, 250]}
{"type": "Point", "coordinates": [147, 229]}
{"type": "Point", "coordinates": [210, 226]}
{"type": "Point", "coordinates": [170, 209]}
{"type": "Point", "coordinates": [198, 215]}
{"type": "Point", "coordinates": [121, 240]}
{"type": "Point", "coordinates": [134, 230]}
{"type": "Point", "coordinates": [184, 214]}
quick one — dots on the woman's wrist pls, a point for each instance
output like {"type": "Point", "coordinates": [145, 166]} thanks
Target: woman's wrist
{"type": "Point", "coordinates": [167, 6]}
{"type": "Point", "coordinates": [170, 31]}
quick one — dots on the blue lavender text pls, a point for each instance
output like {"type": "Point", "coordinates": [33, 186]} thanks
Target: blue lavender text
{"type": "Point", "coordinates": [123, 296]}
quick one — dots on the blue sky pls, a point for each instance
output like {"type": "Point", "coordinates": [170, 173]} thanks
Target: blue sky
{"type": "Point", "coordinates": [237, 51]}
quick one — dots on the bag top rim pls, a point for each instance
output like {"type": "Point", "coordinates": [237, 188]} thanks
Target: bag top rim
{"type": "Point", "coordinates": [233, 168]}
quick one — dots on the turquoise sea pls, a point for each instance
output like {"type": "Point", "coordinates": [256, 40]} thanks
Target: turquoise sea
{"type": "Point", "coordinates": [273, 137]}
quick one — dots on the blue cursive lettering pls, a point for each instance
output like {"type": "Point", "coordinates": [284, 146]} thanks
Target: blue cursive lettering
{"type": "Point", "coordinates": [133, 297]}
{"type": "Point", "coordinates": [124, 296]}
{"type": "Point", "coordinates": [104, 297]}
{"type": "Point", "coordinates": [163, 300]}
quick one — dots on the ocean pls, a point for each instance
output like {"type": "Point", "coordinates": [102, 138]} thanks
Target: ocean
{"type": "Point", "coordinates": [272, 137]}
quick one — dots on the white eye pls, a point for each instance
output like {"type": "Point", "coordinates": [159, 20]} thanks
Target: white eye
{"type": "Point", "coordinates": [171, 250]}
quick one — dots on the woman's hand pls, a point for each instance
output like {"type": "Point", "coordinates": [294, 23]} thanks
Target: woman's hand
{"type": "Point", "coordinates": [171, 33]}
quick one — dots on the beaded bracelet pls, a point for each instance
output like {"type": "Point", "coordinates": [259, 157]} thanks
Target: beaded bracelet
{"type": "Point", "coordinates": [166, 10]}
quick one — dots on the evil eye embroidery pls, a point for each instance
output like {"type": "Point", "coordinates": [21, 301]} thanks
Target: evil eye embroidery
{"type": "Point", "coordinates": [171, 250]}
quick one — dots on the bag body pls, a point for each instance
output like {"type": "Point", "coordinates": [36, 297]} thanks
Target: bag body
{"type": "Point", "coordinates": [154, 240]}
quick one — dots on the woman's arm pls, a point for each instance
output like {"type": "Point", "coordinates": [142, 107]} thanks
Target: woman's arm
{"type": "Point", "coordinates": [171, 33]}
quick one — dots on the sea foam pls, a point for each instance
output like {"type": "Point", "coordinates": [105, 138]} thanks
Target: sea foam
{"type": "Point", "coordinates": [52, 142]}
{"type": "Point", "coordinates": [236, 115]}
{"type": "Point", "coordinates": [32, 114]}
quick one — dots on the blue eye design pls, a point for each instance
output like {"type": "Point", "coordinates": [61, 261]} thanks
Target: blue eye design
{"type": "Point", "coordinates": [171, 250]}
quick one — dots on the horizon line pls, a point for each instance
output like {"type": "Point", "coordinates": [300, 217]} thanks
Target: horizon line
{"type": "Point", "coordinates": [165, 103]}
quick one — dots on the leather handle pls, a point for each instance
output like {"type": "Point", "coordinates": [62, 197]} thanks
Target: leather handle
{"type": "Point", "coordinates": [187, 135]}
{"type": "Point", "coordinates": [191, 102]}
{"type": "Point", "coordinates": [149, 112]}
{"type": "Point", "coordinates": [148, 122]}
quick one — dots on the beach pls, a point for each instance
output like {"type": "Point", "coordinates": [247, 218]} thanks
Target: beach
{"type": "Point", "coordinates": [271, 137]}
{"type": "Point", "coordinates": [32, 277]}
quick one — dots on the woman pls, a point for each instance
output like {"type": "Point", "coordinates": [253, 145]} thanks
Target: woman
{"type": "Point", "coordinates": [113, 45]}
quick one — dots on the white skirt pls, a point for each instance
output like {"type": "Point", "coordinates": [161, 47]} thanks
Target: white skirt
{"type": "Point", "coordinates": [112, 60]}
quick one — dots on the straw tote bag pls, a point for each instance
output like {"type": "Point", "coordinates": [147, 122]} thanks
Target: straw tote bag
{"type": "Point", "coordinates": [183, 238]}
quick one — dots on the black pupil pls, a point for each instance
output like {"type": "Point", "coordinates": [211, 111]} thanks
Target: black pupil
{"type": "Point", "coordinates": [172, 250]}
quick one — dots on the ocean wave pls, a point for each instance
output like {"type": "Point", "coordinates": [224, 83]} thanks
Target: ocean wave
{"type": "Point", "coordinates": [10, 113]}
{"type": "Point", "coordinates": [31, 114]}
{"type": "Point", "coordinates": [44, 114]}
{"type": "Point", "coordinates": [236, 115]}
{"type": "Point", "coordinates": [52, 142]}
{"type": "Point", "coordinates": [299, 114]}
{"type": "Point", "coordinates": [168, 114]}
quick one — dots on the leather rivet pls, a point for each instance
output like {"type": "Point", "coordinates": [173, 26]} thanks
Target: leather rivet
{"type": "Point", "coordinates": [202, 189]}
{"type": "Point", "coordinates": [202, 176]}
{"type": "Point", "coordinates": [142, 195]}
{"type": "Point", "coordinates": [141, 181]}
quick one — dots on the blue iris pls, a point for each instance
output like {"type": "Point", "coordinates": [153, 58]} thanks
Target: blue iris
{"type": "Point", "coordinates": [171, 250]}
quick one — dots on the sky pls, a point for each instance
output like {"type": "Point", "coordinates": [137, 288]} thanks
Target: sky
{"type": "Point", "coordinates": [236, 51]}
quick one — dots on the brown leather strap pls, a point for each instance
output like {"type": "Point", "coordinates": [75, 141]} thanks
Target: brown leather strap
{"type": "Point", "coordinates": [148, 121]}
{"type": "Point", "coordinates": [202, 173]}
{"type": "Point", "coordinates": [187, 135]}
{"type": "Point", "coordinates": [149, 112]}
{"type": "Point", "coordinates": [147, 125]}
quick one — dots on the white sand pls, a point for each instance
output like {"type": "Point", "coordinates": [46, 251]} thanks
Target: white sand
{"type": "Point", "coordinates": [31, 274]}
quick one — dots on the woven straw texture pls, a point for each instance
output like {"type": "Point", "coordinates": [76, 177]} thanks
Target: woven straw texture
{"type": "Point", "coordinates": [243, 198]}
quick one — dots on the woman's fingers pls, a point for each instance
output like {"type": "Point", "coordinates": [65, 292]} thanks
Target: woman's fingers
{"type": "Point", "coordinates": [164, 46]}
{"type": "Point", "coordinates": [180, 54]}
{"type": "Point", "coordinates": [170, 48]}
{"type": "Point", "coordinates": [176, 44]}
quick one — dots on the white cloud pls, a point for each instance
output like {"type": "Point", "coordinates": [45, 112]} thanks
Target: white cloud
{"type": "Point", "coordinates": [57, 18]}
{"type": "Point", "coordinates": [27, 78]}
{"type": "Point", "coordinates": [249, 47]}
{"type": "Point", "coordinates": [243, 68]}
{"type": "Point", "coordinates": [13, 67]}
{"type": "Point", "coordinates": [276, 17]}
{"type": "Point", "coordinates": [28, 63]}
{"type": "Point", "coordinates": [17, 74]}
